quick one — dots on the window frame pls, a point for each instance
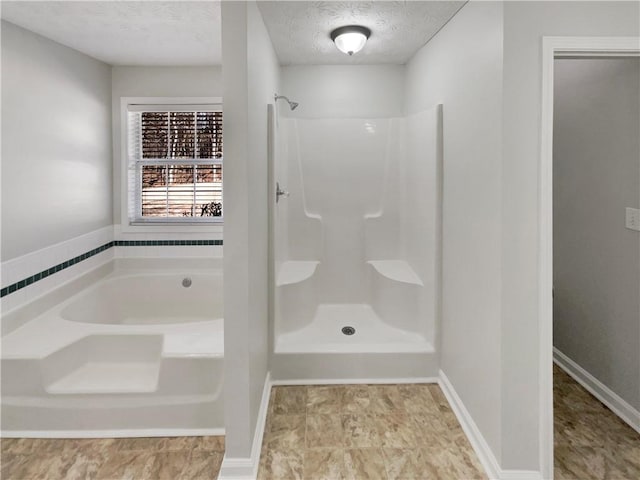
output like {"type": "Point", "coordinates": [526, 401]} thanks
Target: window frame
{"type": "Point", "coordinates": [137, 225]}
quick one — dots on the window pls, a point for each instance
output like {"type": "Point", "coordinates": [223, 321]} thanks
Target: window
{"type": "Point", "coordinates": [174, 163]}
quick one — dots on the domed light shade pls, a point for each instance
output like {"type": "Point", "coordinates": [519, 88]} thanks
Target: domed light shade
{"type": "Point", "coordinates": [350, 39]}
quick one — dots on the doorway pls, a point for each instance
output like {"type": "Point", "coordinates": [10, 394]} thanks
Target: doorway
{"type": "Point", "coordinates": [576, 397]}
{"type": "Point", "coordinates": [596, 262]}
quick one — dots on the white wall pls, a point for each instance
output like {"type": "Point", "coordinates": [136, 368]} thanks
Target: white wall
{"type": "Point", "coordinates": [251, 77]}
{"type": "Point", "coordinates": [524, 25]}
{"type": "Point", "coordinates": [461, 67]}
{"type": "Point", "coordinates": [335, 91]}
{"type": "Point", "coordinates": [264, 80]}
{"type": "Point", "coordinates": [155, 82]}
{"type": "Point", "coordinates": [56, 149]}
{"type": "Point", "coordinates": [596, 260]}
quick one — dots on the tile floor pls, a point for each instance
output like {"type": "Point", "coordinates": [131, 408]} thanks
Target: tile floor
{"type": "Point", "coordinates": [193, 458]}
{"type": "Point", "coordinates": [591, 443]}
{"type": "Point", "coordinates": [342, 432]}
{"type": "Point", "coordinates": [364, 432]}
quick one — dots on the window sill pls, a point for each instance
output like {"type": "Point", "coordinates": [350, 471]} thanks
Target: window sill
{"type": "Point", "coordinates": [172, 225]}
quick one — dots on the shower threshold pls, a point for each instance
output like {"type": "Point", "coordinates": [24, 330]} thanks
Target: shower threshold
{"type": "Point", "coordinates": [325, 334]}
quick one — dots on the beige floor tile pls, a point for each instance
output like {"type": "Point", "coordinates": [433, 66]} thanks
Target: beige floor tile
{"type": "Point", "coordinates": [202, 465]}
{"type": "Point", "coordinates": [210, 444]}
{"type": "Point", "coordinates": [360, 430]}
{"type": "Point", "coordinates": [356, 399]}
{"type": "Point", "coordinates": [396, 430]}
{"type": "Point", "coordinates": [281, 465]}
{"type": "Point", "coordinates": [272, 398]}
{"type": "Point", "coordinates": [180, 443]}
{"type": "Point", "coordinates": [324, 399]}
{"type": "Point", "coordinates": [580, 431]}
{"type": "Point", "coordinates": [51, 467]}
{"type": "Point", "coordinates": [425, 464]}
{"type": "Point", "coordinates": [147, 444]}
{"type": "Point", "coordinates": [623, 462]}
{"type": "Point", "coordinates": [364, 464]}
{"type": "Point", "coordinates": [590, 441]}
{"type": "Point", "coordinates": [89, 459]}
{"type": "Point", "coordinates": [127, 465]}
{"type": "Point", "coordinates": [450, 420]}
{"type": "Point", "coordinates": [400, 464]}
{"type": "Point", "coordinates": [169, 465]}
{"type": "Point", "coordinates": [12, 465]}
{"type": "Point", "coordinates": [453, 464]}
{"type": "Point", "coordinates": [439, 398]}
{"type": "Point", "coordinates": [324, 431]}
{"type": "Point", "coordinates": [82, 466]}
{"type": "Point", "coordinates": [616, 431]}
{"type": "Point", "coordinates": [386, 399]}
{"type": "Point", "coordinates": [286, 432]}
{"type": "Point", "coordinates": [290, 400]}
{"type": "Point", "coordinates": [578, 462]}
{"type": "Point", "coordinates": [17, 445]}
{"type": "Point", "coordinates": [324, 464]}
{"type": "Point", "coordinates": [88, 446]}
{"type": "Point", "coordinates": [428, 425]}
{"type": "Point", "coordinates": [48, 466]}
{"type": "Point", "coordinates": [573, 398]}
{"type": "Point", "coordinates": [417, 398]}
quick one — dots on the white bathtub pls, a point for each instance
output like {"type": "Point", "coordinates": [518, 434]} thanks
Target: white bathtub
{"type": "Point", "coordinates": [134, 354]}
{"type": "Point", "coordinates": [150, 298]}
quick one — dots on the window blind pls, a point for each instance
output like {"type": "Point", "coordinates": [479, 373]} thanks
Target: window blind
{"type": "Point", "coordinates": [175, 160]}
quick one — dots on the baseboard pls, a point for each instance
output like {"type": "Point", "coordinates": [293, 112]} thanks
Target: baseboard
{"type": "Point", "coordinates": [133, 433]}
{"type": "Point", "coordinates": [478, 443]}
{"type": "Point", "coordinates": [351, 381]}
{"type": "Point", "coordinates": [247, 468]}
{"type": "Point", "coordinates": [520, 475]}
{"type": "Point", "coordinates": [612, 400]}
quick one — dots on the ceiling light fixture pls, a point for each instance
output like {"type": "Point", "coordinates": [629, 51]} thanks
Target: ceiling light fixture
{"type": "Point", "coordinates": [351, 38]}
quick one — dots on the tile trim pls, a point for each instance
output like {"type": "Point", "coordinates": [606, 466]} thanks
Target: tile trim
{"type": "Point", "coordinates": [25, 282]}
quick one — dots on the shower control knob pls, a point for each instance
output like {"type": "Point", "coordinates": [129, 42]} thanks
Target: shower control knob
{"type": "Point", "coordinates": [280, 192]}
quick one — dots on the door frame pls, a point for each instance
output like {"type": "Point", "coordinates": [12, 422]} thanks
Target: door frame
{"type": "Point", "coordinates": [552, 48]}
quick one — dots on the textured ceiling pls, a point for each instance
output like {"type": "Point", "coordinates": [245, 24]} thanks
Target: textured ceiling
{"type": "Point", "coordinates": [127, 33]}
{"type": "Point", "coordinates": [300, 30]}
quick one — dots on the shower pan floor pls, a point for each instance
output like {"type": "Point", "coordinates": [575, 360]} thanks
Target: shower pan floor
{"type": "Point", "coordinates": [324, 334]}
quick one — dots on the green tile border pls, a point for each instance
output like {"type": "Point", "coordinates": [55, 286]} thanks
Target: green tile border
{"type": "Point", "coordinates": [115, 243]}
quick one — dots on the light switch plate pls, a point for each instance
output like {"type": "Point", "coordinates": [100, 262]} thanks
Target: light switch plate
{"type": "Point", "coordinates": [632, 219]}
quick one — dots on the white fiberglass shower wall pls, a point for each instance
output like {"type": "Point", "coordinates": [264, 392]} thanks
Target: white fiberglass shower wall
{"type": "Point", "coordinates": [356, 245]}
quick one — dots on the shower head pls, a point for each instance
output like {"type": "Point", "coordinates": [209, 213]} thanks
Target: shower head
{"type": "Point", "coordinates": [292, 105]}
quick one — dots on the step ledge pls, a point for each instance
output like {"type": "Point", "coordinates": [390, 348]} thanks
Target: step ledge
{"type": "Point", "coordinates": [295, 271]}
{"type": "Point", "coordinates": [398, 270]}
{"type": "Point", "coordinates": [106, 377]}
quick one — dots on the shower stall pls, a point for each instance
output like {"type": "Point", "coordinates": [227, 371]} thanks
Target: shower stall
{"type": "Point", "coordinates": [355, 245]}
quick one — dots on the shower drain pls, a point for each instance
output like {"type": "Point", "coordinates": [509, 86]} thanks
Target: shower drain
{"type": "Point", "coordinates": [186, 282]}
{"type": "Point", "coordinates": [348, 330]}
